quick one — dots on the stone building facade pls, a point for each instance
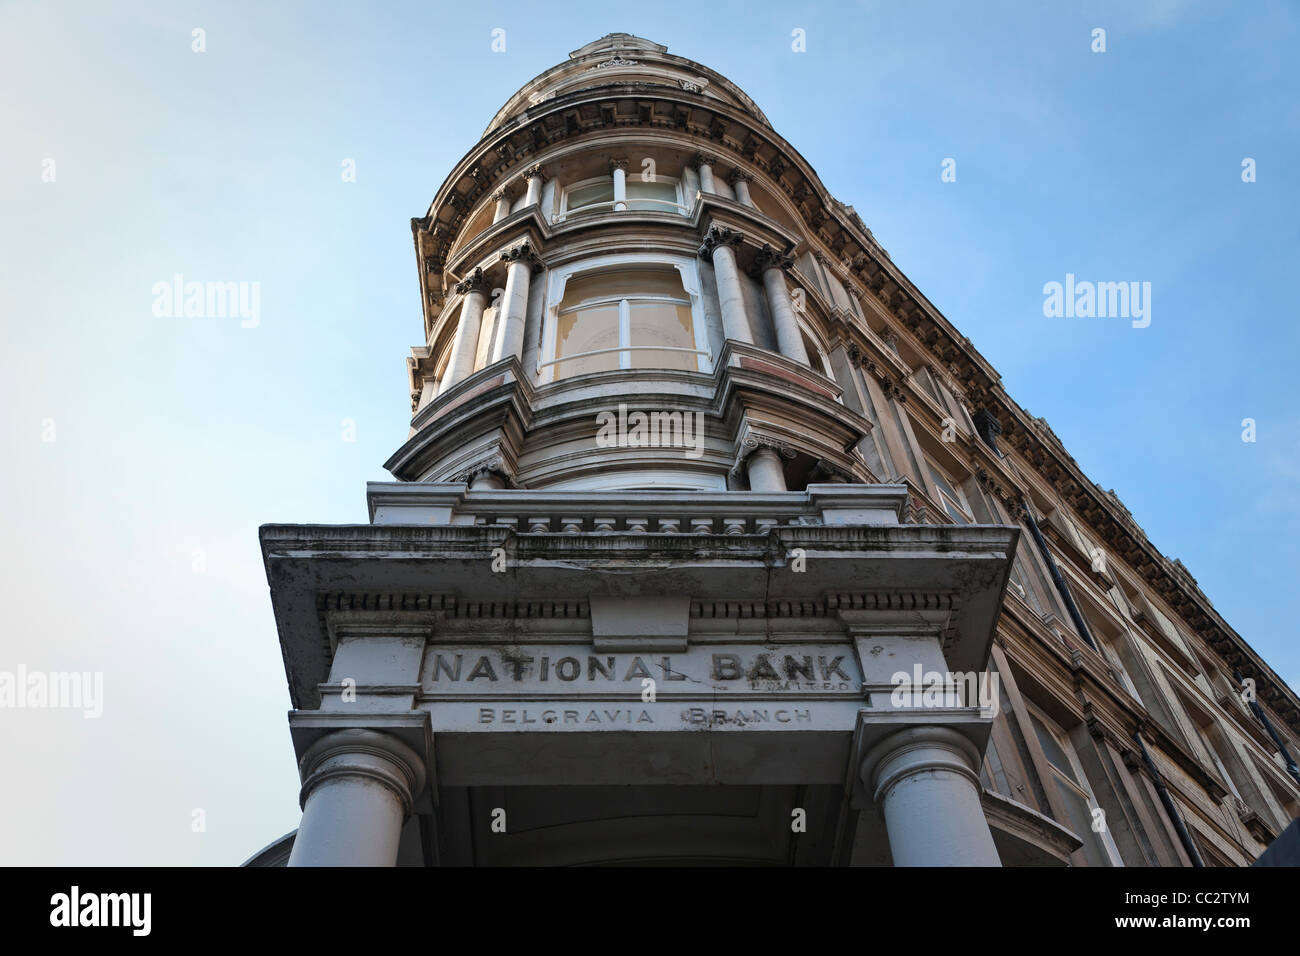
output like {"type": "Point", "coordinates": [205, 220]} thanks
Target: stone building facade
{"type": "Point", "coordinates": [714, 541]}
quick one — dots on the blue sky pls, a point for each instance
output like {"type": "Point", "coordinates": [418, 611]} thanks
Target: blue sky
{"type": "Point", "coordinates": [132, 535]}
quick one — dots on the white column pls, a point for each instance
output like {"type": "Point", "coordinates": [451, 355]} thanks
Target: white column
{"type": "Point", "coordinates": [764, 470]}
{"type": "Point", "coordinates": [705, 167]}
{"type": "Point", "coordinates": [772, 265]}
{"type": "Point", "coordinates": [717, 247]}
{"type": "Point", "coordinates": [522, 263]}
{"type": "Point", "coordinates": [619, 168]}
{"type": "Point", "coordinates": [358, 787]}
{"type": "Point", "coordinates": [503, 205]}
{"type": "Point", "coordinates": [534, 177]}
{"type": "Point", "coordinates": [740, 183]}
{"type": "Point", "coordinates": [464, 345]}
{"type": "Point", "coordinates": [926, 780]}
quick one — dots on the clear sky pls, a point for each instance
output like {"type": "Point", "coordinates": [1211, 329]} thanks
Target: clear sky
{"type": "Point", "coordinates": [141, 452]}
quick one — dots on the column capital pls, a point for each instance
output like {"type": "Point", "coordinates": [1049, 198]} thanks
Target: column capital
{"type": "Point", "coordinates": [523, 253]}
{"type": "Point", "coordinates": [739, 176]}
{"type": "Point", "coordinates": [918, 749]}
{"type": "Point", "coordinates": [619, 164]}
{"type": "Point", "coordinates": [719, 236]}
{"type": "Point", "coordinates": [704, 159]}
{"type": "Point", "coordinates": [535, 172]}
{"type": "Point", "coordinates": [476, 281]}
{"type": "Point", "coordinates": [369, 754]}
{"type": "Point", "coordinates": [768, 258]}
{"type": "Point", "coordinates": [499, 194]}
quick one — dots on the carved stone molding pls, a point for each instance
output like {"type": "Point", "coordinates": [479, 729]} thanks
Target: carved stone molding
{"type": "Point", "coordinates": [523, 253]}
{"type": "Point", "coordinates": [476, 281]}
{"type": "Point", "coordinates": [828, 471]}
{"type": "Point", "coordinates": [493, 465]}
{"type": "Point", "coordinates": [616, 60]}
{"type": "Point", "coordinates": [768, 258]}
{"type": "Point", "coordinates": [703, 159]}
{"type": "Point", "coordinates": [534, 172]}
{"type": "Point", "coordinates": [719, 236]}
{"type": "Point", "coordinates": [754, 442]}
{"type": "Point", "coordinates": [739, 176]}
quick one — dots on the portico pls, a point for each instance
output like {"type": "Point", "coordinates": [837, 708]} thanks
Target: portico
{"type": "Point", "coordinates": [656, 664]}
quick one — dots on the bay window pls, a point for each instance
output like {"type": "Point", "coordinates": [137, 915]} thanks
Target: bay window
{"type": "Point", "coordinates": [623, 315]}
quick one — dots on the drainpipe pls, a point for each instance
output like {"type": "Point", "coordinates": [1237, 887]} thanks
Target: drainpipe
{"type": "Point", "coordinates": [1170, 810]}
{"type": "Point", "coordinates": [989, 428]}
{"type": "Point", "coordinates": [1062, 588]}
{"type": "Point", "coordinates": [1262, 717]}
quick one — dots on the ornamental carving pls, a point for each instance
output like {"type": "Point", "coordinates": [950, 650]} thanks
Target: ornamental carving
{"type": "Point", "coordinates": [768, 258]}
{"type": "Point", "coordinates": [476, 281]}
{"type": "Point", "coordinates": [719, 236]}
{"type": "Point", "coordinates": [753, 443]}
{"type": "Point", "coordinates": [523, 253]}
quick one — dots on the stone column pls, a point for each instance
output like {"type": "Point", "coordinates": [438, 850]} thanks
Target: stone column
{"type": "Point", "coordinates": [464, 345]}
{"type": "Point", "coordinates": [764, 470]}
{"type": "Point", "coordinates": [358, 788]}
{"type": "Point", "coordinates": [717, 247]}
{"type": "Point", "coordinates": [535, 178]}
{"type": "Point", "coordinates": [740, 180]}
{"type": "Point", "coordinates": [619, 168]}
{"type": "Point", "coordinates": [772, 265]}
{"type": "Point", "coordinates": [502, 199]}
{"type": "Point", "coordinates": [926, 780]}
{"type": "Point", "coordinates": [705, 167]}
{"type": "Point", "coordinates": [522, 263]}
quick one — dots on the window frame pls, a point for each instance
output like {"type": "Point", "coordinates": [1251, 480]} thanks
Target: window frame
{"type": "Point", "coordinates": [687, 271]}
{"type": "Point", "coordinates": [678, 206]}
{"type": "Point", "coordinates": [1104, 840]}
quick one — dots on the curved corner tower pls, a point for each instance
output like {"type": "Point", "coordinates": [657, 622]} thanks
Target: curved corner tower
{"type": "Point", "coordinates": [701, 538]}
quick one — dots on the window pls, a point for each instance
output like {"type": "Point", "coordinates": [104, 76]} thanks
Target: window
{"type": "Point", "coordinates": [592, 196]}
{"type": "Point", "coordinates": [658, 195]}
{"type": "Point", "coordinates": [586, 198]}
{"type": "Point", "coordinates": [624, 316]}
{"type": "Point", "coordinates": [816, 357]}
{"type": "Point", "coordinates": [953, 501]}
{"type": "Point", "coordinates": [1072, 785]}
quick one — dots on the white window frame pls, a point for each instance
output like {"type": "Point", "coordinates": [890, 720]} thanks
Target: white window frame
{"type": "Point", "coordinates": [559, 277]}
{"type": "Point", "coordinates": [678, 206]}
